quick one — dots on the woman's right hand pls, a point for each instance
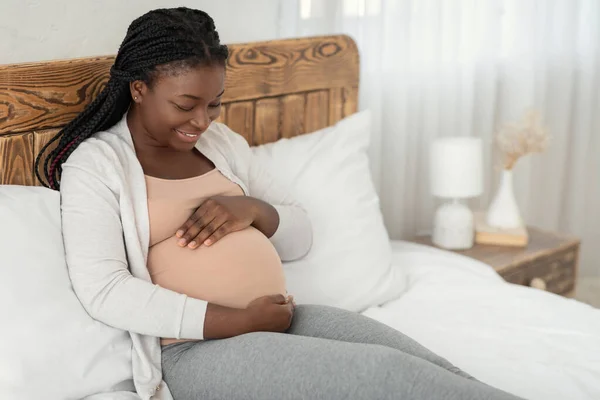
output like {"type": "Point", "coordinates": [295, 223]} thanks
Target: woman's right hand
{"type": "Point", "coordinates": [271, 313]}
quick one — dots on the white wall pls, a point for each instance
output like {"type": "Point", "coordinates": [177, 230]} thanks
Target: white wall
{"type": "Point", "coordinates": [35, 30]}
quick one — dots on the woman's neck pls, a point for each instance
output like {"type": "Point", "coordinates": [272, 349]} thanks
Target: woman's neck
{"type": "Point", "coordinates": [143, 142]}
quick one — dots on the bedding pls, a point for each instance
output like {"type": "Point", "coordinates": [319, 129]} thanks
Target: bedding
{"type": "Point", "coordinates": [327, 172]}
{"type": "Point", "coordinates": [527, 342]}
{"type": "Point", "coordinates": [531, 343]}
{"type": "Point", "coordinates": [50, 348]}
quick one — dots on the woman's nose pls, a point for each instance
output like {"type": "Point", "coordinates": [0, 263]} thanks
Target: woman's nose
{"type": "Point", "coordinates": [201, 121]}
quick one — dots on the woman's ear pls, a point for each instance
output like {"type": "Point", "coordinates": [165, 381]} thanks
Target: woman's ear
{"type": "Point", "coordinates": [138, 89]}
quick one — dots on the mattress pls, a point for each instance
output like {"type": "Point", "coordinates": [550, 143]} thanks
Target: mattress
{"type": "Point", "coordinates": [531, 343]}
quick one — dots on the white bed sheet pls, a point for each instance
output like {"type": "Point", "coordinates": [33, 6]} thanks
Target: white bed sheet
{"type": "Point", "coordinates": [531, 343]}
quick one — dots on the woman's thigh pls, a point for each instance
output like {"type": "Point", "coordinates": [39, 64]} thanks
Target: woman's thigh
{"type": "Point", "coordinates": [337, 324]}
{"type": "Point", "coordinates": [282, 366]}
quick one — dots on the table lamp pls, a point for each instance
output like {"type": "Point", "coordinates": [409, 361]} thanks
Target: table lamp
{"type": "Point", "coordinates": [456, 174]}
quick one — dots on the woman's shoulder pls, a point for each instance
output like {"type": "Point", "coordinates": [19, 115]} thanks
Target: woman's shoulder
{"type": "Point", "coordinates": [100, 153]}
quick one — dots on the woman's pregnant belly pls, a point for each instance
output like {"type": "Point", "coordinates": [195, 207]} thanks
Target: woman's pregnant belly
{"type": "Point", "coordinates": [232, 272]}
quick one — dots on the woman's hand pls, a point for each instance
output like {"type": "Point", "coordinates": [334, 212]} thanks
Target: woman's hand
{"type": "Point", "coordinates": [221, 215]}
{"type": "Point", "coordinates": [272, 313]}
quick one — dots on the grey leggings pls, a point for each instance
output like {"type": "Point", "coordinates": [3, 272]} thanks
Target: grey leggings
{"type": "Point", "coordinates": [327, 354]}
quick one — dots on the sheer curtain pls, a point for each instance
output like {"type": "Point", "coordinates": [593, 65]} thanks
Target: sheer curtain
{"type": "Point", "coordinates": [433, 68]}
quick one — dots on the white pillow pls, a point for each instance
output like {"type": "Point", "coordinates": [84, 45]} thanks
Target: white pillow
{"type": "Point", "coordinates": [49, 347]}
{"type": "Point", "coordinates": [349, 265]}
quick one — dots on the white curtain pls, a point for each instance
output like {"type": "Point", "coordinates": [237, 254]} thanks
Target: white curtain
{"type": "Point", "coordinates": [433, 68]}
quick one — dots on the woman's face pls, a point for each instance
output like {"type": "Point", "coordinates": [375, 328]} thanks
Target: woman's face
{"type": "Point", "coordinates": [177, 108]}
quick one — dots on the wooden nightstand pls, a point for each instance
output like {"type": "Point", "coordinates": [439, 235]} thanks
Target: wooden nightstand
{"type": "Point", "coordinates": [549, 261]}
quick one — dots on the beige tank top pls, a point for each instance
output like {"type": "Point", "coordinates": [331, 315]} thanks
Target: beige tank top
{"type": "Point", "coordinates": [232, 272]}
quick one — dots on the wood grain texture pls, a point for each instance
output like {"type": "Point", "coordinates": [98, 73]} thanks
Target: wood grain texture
{"type": "Point", "coordinates": [276, 68]}
{"type": "Point", "coordinates": [279, 89]}
{"type": "Point", "coordinates": [556, 270]}
{"type": "Point", "coordinates": [549, 256]}
{"type": "Point", "coordinates": [40, 139]}
{"type": "Point", "coordinates": [292, 115]}
{"type": "Point", "coordinates": [16, 156]}
{"type": "Point", "coordinates": [240, 118]}
{"type": "Point", "coordinates": [336, 105]}
{"type": "Point", "coordinates": [267, 124]}
{"type": "Point", "coordinates": [349, 100]}
{"type": "Point", "coordinates": [49, 94]}
{"type": "Point", "coordinates": [317, 110]}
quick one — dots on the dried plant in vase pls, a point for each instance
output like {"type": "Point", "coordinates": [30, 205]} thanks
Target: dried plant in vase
{"type": "Point", "coordinates": [514, 142]}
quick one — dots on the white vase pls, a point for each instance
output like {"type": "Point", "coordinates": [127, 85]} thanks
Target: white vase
{"type": "Point", "coordinates": [504, 211]}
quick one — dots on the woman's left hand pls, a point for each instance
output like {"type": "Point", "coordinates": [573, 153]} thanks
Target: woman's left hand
{"type": "Point", "coordinates": [221, 215]}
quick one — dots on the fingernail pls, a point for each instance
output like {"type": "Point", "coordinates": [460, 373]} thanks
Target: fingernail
{"type": "Point", "coordinates": [179, 233]}
{"type": "Point", "coordinates": [192, 244]}
{"type": "Point", "coordinates": [181, 242]}
{"type": "Point", "coordinates": [208, 242]}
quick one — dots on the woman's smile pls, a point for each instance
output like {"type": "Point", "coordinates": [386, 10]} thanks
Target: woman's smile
{"type": "Point", "coordinates": [187, 136]}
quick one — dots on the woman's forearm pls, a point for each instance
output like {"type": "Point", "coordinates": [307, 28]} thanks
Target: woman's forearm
{"type": "Point", "coordinates": [266, 218]}
{"type": "Point", "coordinates": [224, 322]}
{"type": "Point", "coordinates": [271, 313]}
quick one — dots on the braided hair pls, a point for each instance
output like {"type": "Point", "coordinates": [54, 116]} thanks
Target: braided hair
{"type": "Point", "coordinates": [160, 41]}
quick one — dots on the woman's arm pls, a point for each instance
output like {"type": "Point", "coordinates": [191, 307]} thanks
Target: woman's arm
{"type": "Point", "coordinates": [219, 216]}
{"type": "Point", "coordinates": [265, 314]}
{"type": "Point", "coordinates": [293, 235]}
{"type": "Point", "coordinates": [98, 267]}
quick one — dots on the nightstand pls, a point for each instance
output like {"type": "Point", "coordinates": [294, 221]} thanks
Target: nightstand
{"type": "Point", "coordinates": [549, 262]}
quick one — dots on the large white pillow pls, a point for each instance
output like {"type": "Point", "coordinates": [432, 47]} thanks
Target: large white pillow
{"type": "Point", "coordinates": [349, 265]}
{"type": "Point", "coordinates": [49, 347]}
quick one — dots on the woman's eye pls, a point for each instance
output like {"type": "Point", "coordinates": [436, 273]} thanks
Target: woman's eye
{"type": "Point", "coordinates": [183, 108]}
{"type": "Point", "coordinates": [214, 105]}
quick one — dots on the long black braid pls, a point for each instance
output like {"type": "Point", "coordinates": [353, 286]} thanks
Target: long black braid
{"type": "Point", "coordinates": [159, 41]}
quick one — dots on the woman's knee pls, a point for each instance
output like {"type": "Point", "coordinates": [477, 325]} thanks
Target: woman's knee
{"type": "Point", "coordinates": [385, 362]}
{"type": "Point", "coordinates": [380, 373]}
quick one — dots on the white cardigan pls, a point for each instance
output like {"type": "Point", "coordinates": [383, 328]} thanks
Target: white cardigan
{"type": "Point", "coordinates": [106, 237]}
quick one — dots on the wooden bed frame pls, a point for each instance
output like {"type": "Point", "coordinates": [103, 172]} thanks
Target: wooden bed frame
{"type": "Point", "coordinates": [273, 89]}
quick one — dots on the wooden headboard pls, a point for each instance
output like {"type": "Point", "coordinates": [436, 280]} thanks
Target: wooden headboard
{"type": "Point", "coordinates": [273, 89]}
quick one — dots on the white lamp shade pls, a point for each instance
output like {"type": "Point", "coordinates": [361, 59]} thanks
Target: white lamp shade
{"type": "Point", "coordinates": [457, 167]}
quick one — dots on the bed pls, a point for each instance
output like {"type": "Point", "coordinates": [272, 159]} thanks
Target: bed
{"type": "Point", "coordinates": [528, 342]}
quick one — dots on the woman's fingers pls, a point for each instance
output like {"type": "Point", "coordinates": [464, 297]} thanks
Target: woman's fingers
{"type": "Point", "coordinates": [215, 227]}
{"type": "Point", "coordinates": [221, 231]}
{"type": "Point", "coordinates": [215, 218]}
{"type": "Point", "coordinates": [194, 224]}
{"type": "Point", "coordinates": [194, 230]}
{"type": "Point", "coordinates": [277, 298]}
{"type": "Point", "coordinates": [290, 299]}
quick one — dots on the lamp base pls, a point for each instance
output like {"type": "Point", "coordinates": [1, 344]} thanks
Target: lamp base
{"type": "Point", "coordinates": [453, 227]}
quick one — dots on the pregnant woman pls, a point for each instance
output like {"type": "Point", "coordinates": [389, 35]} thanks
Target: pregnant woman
{"type": "Point", "coordinates": [174, 234]}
